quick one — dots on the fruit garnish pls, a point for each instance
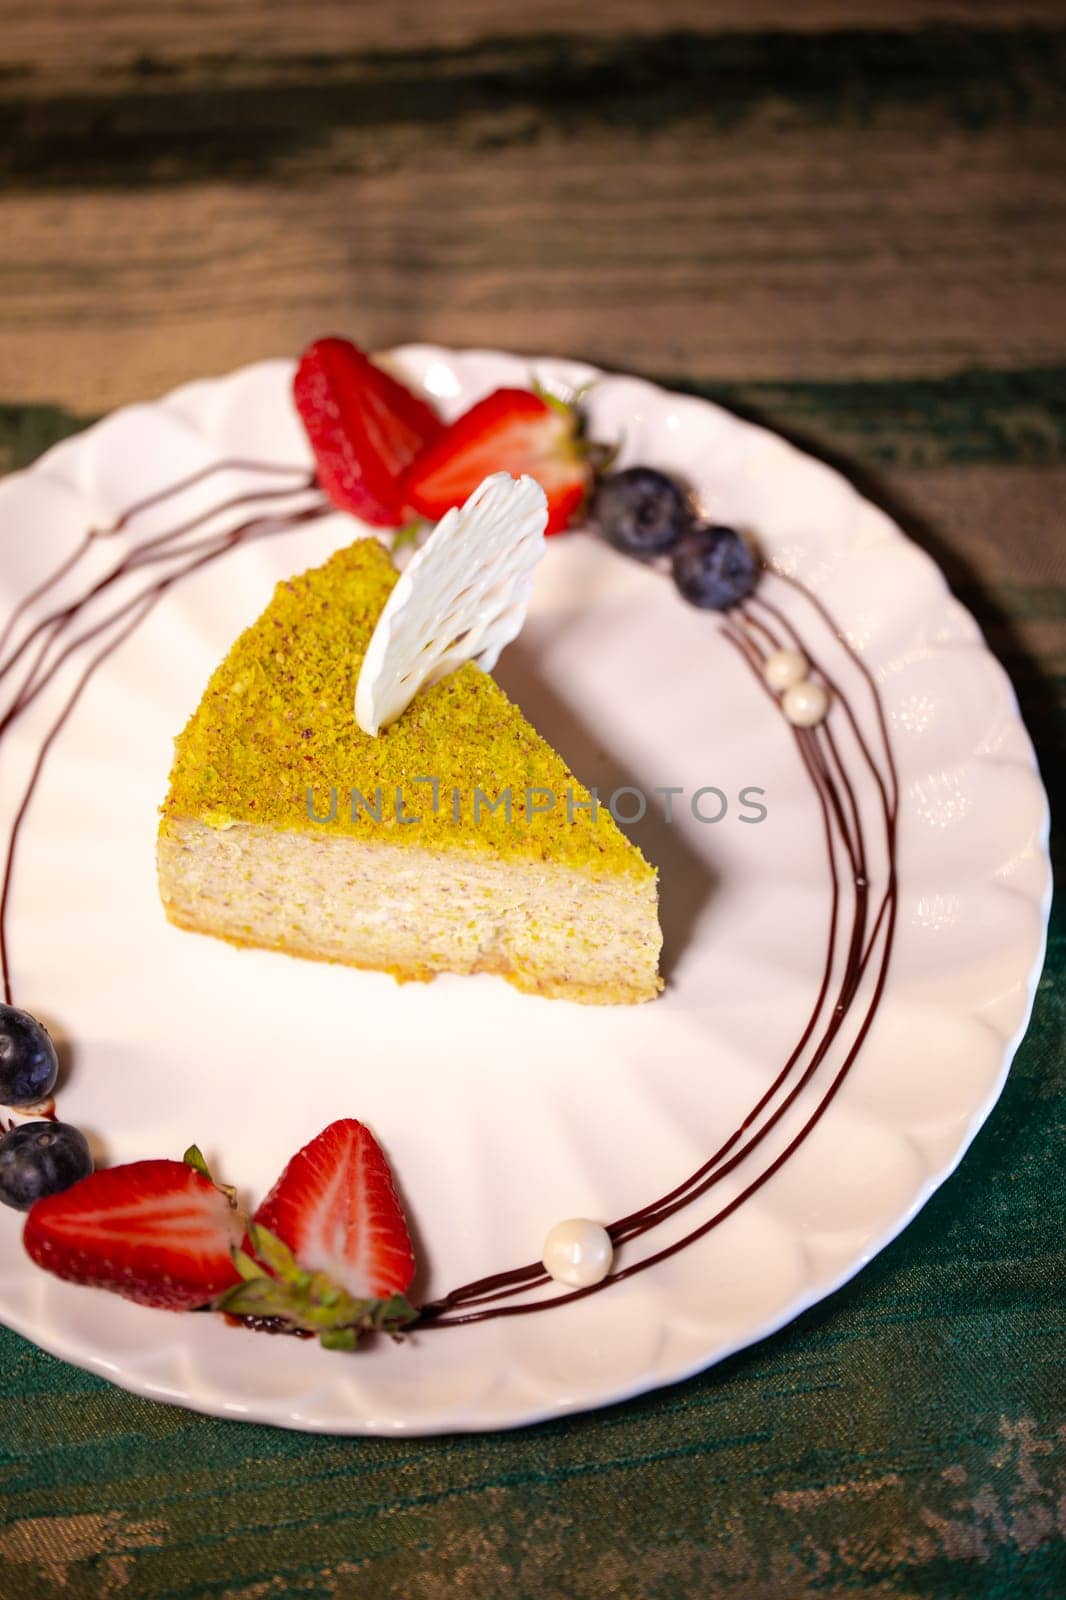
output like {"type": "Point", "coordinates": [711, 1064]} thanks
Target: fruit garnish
{"type": "Point", "coordinates": [641, 511]}
{"type": "Point", "coordinates": [462, 597]}
{"type": "Point", "coordinates": [337, 1209]}
{"type": "Point", "coordinates": [39, 1159]}
{"type": "Point", "coordinates": [278, 1292]}
{"type": "Point", "coordinates": [511, 430]}
{"type": "Point", "coordinates": [715, 567]}
{"type": "Point", "coordinates": [365, 428]}
{"type": "Point", "coordinates": [158, 1232]}
{"type": "Point", "coordinates": [28, 1063]}
{"type": "Point", "coordinates": [328, 1250]}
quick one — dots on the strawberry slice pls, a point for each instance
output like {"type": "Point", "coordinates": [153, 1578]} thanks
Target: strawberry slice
{"type": "Point", "coordinates": [158, 1232]}
{"type": "Point", "coordinates": [511, 430]}
{"type": "Point", "coordinates": [364, 427]}
{"type": "Point", "coordinates": [337, 1210]}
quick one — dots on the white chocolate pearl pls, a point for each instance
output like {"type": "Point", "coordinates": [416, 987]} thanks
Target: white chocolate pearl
{"type": "Point", "coordinates": [806, 703]}
{"type": "Point", "coordinates": [578, 1252]}
{"type": "Point", "coordinates": [783, 668]}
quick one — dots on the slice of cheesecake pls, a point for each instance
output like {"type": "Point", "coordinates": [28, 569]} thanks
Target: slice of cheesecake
{"type": "Point", "coordinates": [454, 841]}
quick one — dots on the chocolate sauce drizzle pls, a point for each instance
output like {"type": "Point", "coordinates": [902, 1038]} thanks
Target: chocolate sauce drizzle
{"type": "Point", "coordinates": [861, 920]}
{"type": "Point", "coordinates": [57, 626]}
{"type": "Point", "coordinates": [868, 945]}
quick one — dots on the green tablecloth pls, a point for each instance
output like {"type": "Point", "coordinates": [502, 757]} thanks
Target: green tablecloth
{"type": "Point", "coordinates": [906, 1438]}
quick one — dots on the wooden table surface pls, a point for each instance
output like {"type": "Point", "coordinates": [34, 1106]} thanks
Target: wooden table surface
{"type": "Point", "coordinates": [844, 217]}
{"type": "Point", "coordinates": [674, 187]}
{"type": "Point", "coordinates": [847, 219]}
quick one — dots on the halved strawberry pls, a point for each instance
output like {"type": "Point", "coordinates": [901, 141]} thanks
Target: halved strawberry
{"type": "Point", "coordinates": [364, 427]}
{"type": "Point", "coordinates": [337, 1210]}
{"type": "Point", "coordinates": [158, 1232]}
{"type": "Point", "coordinates": [511, 430]}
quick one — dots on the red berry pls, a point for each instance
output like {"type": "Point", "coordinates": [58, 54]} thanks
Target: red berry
{"type": "Point", "coordinates": [511, 430]}
{"type": "Point", "coordinates": [336, 1208]}
{"type": "Point", "coordinates": [158, 1232]}
{"type": "Point", "coordinates": [364, 428]}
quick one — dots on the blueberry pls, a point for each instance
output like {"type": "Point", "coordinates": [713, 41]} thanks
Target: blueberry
{"type": "Point", "coordinates": [28, 1065]}
{"type": "Point", "coordinates": [715, 567]}
{"type": "Point", "coordinates": [641, 511]}
{"type": "Point", "coordinates": [41, 1158]}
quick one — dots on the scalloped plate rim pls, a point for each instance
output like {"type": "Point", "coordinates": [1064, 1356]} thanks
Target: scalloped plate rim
{"type": "Point", "coordinates": [273, 1412]}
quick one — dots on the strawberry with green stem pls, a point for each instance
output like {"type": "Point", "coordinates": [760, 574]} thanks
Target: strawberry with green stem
{"type": "Point", "coordinates": [328, 1250]}
{"type": "Point", "coordinates": [511, 430]}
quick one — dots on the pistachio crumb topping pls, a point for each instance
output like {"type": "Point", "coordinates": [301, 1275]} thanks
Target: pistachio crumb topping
{"type": "Point", "coordinates": [275, 723]}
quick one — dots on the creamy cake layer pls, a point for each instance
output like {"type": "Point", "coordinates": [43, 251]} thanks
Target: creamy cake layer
{"type": "Point", "coordinates": [549, 929]}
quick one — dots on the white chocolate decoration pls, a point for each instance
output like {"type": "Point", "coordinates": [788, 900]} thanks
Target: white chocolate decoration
{"type": "Point", "coordinates": [462, 597]}
{"type": "Point", "coordinates": [806, 703]}
{"type": "Point", "coordinates": [783, 668]}
{"type": "Point", "coordinates": [578, 1252]}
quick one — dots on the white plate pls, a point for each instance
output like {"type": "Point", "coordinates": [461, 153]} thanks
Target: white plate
{"type": "Point", "coordinates": [503, 1113]}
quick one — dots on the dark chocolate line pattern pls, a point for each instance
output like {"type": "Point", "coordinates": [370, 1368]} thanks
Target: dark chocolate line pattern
{"type": "Point", "coordinates": [187, 559]}
{"type": "Point", "coordinates": [43, 671]}
{"type": "Point", "coordinates": [890, 793]}
{"type": "Point", "coordinates": [146, 553]}
{"type": "Point", "coordinates": [480, 1300]}
{"type": "Point", "coordinates": [137, 509]}
{"type": "Point", "coordinates": [820, 757]}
